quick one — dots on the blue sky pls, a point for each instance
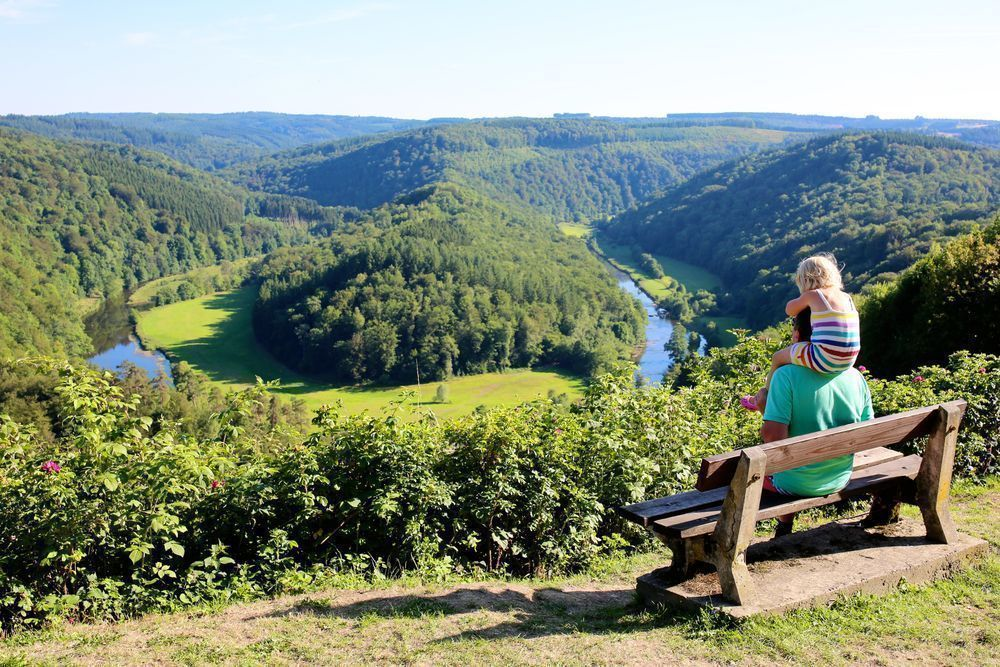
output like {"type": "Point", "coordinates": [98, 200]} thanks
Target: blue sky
{"type": "Point", "coordinates": [427, 58]}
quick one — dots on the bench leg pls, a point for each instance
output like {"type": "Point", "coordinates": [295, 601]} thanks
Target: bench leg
{"type": "Point", "coordinates": [736, 524]}
{"type": "Point", "coordinates": [934, 478]}
{"type": "Point", "coordinates": [884, 510]}
{"type": "Point", "coordinates": [686, 555]}
{"type": "Point", "coordinates": [680, 562]}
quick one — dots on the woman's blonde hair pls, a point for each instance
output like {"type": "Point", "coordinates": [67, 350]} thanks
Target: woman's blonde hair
{"type": "Point", "coordinates": [817, 272]}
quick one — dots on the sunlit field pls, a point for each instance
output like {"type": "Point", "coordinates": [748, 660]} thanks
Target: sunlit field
{"type": "Point", "coordinates": [214, 334]}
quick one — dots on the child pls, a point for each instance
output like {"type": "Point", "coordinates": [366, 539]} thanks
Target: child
{"type": "Point", "coordinates": [836, 332]}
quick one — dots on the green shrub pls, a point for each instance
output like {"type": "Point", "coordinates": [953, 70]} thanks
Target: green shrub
{"type": "Point", "coordinates": [115, 512]}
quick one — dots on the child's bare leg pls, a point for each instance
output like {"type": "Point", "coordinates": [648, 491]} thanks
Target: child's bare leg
{"type": "Point", "coordinates": [782, 357]}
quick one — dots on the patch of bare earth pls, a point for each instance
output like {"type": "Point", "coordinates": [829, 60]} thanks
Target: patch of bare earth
{"type": "Point", "coordinates": [452, 625]}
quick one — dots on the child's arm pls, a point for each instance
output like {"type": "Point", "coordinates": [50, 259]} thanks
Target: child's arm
{"type": "Point", "coordinates": [799, 303]}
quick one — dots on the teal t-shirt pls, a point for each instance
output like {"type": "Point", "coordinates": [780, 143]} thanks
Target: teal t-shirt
{"type": "Point", "coordinates": [808, 402]}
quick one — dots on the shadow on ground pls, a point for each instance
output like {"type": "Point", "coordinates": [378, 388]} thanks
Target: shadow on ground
{"type": "Point", "coordinates": [535, 613]}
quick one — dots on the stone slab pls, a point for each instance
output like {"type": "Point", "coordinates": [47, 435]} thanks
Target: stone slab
{"type": "Point", "coordinates": [815, 566]}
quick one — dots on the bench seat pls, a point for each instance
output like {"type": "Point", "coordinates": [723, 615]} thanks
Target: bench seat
{"type": "Point", "coordinates": [864, 481]}
{"type": "Point", "coordinates": [647, 513]}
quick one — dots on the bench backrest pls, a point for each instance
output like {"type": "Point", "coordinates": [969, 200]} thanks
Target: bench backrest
{"type": "Point", "coordinates": [891, 430]}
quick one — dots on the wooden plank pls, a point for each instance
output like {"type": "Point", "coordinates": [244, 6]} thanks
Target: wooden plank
{"type": "Point", "coordinates": [716, 471]}
{"type": "Point", "coordinates": [874, 457]}
{"type": "Point", "coordinates": [875, 478]}
{"type": "Point", "coordinates": [645, 513]}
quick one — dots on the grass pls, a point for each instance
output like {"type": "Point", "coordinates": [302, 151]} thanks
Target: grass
{"type": "Point", "coordinates": [214, 335]}
{"type": "Point", "coordinates": [591, 618]}
{"type": "Point", "coordinates": [575, 229]}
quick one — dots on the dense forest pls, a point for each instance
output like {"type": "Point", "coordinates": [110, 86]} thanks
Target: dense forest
{"type": "Point", "coordinates": [947, 301]}
{"type": "Point", "coordinates": [569, 168]}
{"type": "Point", "coordinates": [206, 141]}
{"type": "Point", "coordinates": [88, 220]}
{"type": "Point", "coordinates": [444, 281]}
{"type": "Point", "coordinates": [878, 201]}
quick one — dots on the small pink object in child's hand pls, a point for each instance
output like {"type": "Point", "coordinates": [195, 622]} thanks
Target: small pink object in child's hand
{"type": "Point", "coordinates": [749, 402]}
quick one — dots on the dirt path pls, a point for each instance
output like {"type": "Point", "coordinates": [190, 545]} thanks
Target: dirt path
{"type": "Point", "coordinates": [576, 621]}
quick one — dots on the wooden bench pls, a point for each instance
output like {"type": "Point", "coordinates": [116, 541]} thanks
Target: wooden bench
{"type": "Point", "coordinates": [715, 523]}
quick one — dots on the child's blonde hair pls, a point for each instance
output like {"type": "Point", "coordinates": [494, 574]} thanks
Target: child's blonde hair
{"type": "Point", "coordinates": [817, 272]}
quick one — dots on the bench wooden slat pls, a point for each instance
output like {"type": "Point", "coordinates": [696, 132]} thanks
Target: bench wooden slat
{"type": "Point", "coordinates": [717, 471]}
{"type": "Point", "coordinates": [874, 457]}
{"type": "Point", "coordinates": [873, 478]}
{"type": "Point", "coordinates": [647, 512]}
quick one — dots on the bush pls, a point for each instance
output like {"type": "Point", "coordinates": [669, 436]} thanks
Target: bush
{"type": "Point", "coordinates": [116, 512]}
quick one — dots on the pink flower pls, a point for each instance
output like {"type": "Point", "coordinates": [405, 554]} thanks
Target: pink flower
{"type": "Point", "coordinates": [919, 378]}
{"type": "Point", "coordinates": [51, 467]}
{"type": "Point", "coordinates": [216, 484]}
{"type": "Point", "coordinates": [982, 370]}
{"type": "Point", "coordinates": [559, 431]}
{"type": "Point", "coordinates": [862, 369]}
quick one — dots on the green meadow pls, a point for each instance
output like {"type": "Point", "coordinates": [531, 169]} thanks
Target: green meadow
{"type": "Point", "coordinates": [214, 335]}
{"type": "Point", "coordinates": [575, 229]}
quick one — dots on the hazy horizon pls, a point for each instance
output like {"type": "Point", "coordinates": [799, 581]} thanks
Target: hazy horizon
{"type": "Point", "coordinates": [666, 116]}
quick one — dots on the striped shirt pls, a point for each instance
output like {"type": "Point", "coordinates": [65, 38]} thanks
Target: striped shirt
{"type": "Point", "coordinates": [835, 342]}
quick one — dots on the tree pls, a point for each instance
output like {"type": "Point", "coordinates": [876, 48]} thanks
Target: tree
{"type": "Point", "coordinates": [186, 290]}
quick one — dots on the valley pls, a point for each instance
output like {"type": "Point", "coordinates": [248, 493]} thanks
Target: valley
{"type": "Point", "coordinates": [213, 335]}
{"type": "Point", "coordinates": [468, 323]}
{"type": "Point", "coordinates": [520, 173]}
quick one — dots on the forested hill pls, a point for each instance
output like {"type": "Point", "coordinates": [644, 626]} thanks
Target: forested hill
{"type": "Point", "coordinates": [207, 141]}
{"type": "Point", "coordinates": [980, 132]}
{"type": "Point", "coordinates": [443, 281]}
{"type": "Point", "coordinates": [947, 301]}
{"type": "Point", "coordinates": [876, 200]}
{"type": "Point", "coordinates": [571, 168]}
{"type": "Point", "coordinates": [80, 220]}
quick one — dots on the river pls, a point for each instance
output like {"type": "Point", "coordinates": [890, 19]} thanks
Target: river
{"type": "Point", "coordinates": [111, 330]}
{"type": "Point", "coordinates": [655, 360]}
{"type": "Point", "coordinates": [113, 334]}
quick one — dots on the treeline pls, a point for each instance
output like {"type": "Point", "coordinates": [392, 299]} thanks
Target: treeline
{"type": "Point", "coordinates": [198, 283]}
{"type": "Point", "coordinates": [87, 220]}
{"type": "Point", "coordinates": [878, 201]}
{"type": "Point", "coordinates": [569, 168]}
{"type": "Point", "coordinates": [443, 282]}
{"type": "Point", "coordinates": [947, 301]}
{"type": "Point", "coordinates": [206, 141]}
